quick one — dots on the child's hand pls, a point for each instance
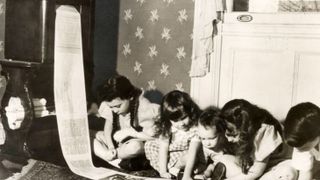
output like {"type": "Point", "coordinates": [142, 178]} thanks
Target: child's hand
{"type": "Point", "coordinates": [166, 175]}
{"type": "Point", "coordinates": [208, 172]}
{"type": "Point", "coordinates": [119, 136]}
{"type": "Point", "coordinates": [111, 154]}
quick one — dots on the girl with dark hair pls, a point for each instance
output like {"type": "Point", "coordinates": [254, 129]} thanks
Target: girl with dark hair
{"type": "Point", "coordinates": [175, 128]}
{"type": "Point", "coordinates": [257, 144]}
{"type": "Point", "coordinates": [302, 131]}
{"type": "Point", "coordinates": [129, 120]}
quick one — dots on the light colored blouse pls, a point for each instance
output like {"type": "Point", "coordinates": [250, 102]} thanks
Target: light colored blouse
{"type": "Point", "coordinates": [303, 161]}
{"type": "Point", "coordinates": [147, 114]}
{"type": "Point", "coordinates": [266, 141]}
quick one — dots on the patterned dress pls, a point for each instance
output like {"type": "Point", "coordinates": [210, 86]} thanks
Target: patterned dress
{"type": "Point", "coordinates": [178, 147]}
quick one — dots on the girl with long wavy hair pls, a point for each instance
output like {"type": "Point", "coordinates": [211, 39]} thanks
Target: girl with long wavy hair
{"type": "Point", "coordinates": [176, 128]}
{"type": "Point", "coordinates": [257, 148]}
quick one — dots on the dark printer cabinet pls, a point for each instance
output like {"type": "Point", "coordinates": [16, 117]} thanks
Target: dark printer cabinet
{"type": "Point", "coordinates": [28, 56]}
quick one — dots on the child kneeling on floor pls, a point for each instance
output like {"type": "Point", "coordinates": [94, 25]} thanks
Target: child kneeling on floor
{"type": "Point", "coordinates": [202, 153]}
{"type": "Point", "coordinates": [258, 150]}
{"type": "Point", "coordinates": [176, 129]}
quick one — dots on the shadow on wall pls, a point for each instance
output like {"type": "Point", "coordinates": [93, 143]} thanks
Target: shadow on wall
{"type": "Point", "coordinates": [105, 40]}
{"type": "Point", "coordinates": [154, 96]}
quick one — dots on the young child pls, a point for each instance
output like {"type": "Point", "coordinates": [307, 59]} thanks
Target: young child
{"type": "Point", "coordinates": [302, 131]}
{"type": "Point", "coordinates": [129, 120]}
{"type": "Point", "coordinates": [176, 128]}
{"type": "Point", "coordinates": [257, 144]}
{"type": "Point", "coordinates": [204, 148]}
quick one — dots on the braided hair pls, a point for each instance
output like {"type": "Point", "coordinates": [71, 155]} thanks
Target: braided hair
{"type": "Point", "coordinates": [120, 87]}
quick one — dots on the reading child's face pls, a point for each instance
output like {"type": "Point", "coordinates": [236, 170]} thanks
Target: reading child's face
{"type": "Point", "coordinates": [208, 136]}
{"type": "Point", "coordinates": [309, 145]}
{"type": "Point", "coordinates": [232, 133]}
{"type": "Point", "coordinates": [181, 123]}
{"type": "Point", "coordinates": [119, 106]}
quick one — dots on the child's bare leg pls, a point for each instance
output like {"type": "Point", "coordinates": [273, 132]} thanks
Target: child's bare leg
{"type": "Point", "coordinates": [101, 150]}
{"type": "Point", "coordinates": [130, 149]}
{"type": "Point", "coordinates": [282, 171]}
{"type": "Point", "coordinates": [232, 165]}
{"type": "Point", "coordinates": [200, 165]}
{"type": "Point", "coordinates": [209, 170]}
{"type": "Point", "coordinates": [180, 165]}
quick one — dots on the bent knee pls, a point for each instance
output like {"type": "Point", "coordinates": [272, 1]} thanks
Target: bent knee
{"type": "Point", "coordinates": [286, 173]}
{"type": "Point", "coordinates": [130, 149]}
{"type": "Point", "coordinates": [97, 147]}
{"type": "Point", "coordinates": [99, 135]}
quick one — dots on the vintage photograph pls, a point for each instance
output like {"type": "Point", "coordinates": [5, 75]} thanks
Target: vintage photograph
{"type": "Point", "coordinates": [159, 89]}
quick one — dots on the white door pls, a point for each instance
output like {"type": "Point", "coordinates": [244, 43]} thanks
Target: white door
{"type": "Point", "coordinates": [272, 60]}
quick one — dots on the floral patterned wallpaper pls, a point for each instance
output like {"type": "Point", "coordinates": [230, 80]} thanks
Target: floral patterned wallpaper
{"type": "Point", "coordinates": [155, 43]}
{"type": "Point", "coordinates": [2, 21]}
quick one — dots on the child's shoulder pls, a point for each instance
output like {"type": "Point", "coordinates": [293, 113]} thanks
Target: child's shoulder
{"type": "Point", "coordinates": [267, 139]}
{"type": "Point", "coordinates": [267, 130]}
{"type": "Point", "coordinates": [147, 107]}
{"type": "Point", "coordinates": [144, 103]}
{"type": "Point", "coordinates": [193, 129]}
{"type": "Point", "coordinates": [147, 110]}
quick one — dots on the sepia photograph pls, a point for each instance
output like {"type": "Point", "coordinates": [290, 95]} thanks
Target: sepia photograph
{"type": "Point", "coordinates": [160, 89]}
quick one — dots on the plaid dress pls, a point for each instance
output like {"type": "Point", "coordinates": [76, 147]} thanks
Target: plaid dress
{"type": "Point", "coordinates": [178, 147]}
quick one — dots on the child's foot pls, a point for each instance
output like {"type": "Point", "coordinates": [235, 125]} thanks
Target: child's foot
{"type": "Point", "coordinates": [180, 175]}
{"type": "Point", "coordinates": [111, 154]}
{"type": "Point", "coordinates": [219, 171]}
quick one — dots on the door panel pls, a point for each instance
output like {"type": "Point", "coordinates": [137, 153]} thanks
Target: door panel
{"type": "Point", "coordinates": [274, 64]}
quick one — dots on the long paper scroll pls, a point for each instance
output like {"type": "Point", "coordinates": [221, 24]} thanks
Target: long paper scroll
{"type": "Point", "coordinates": [70, 97]}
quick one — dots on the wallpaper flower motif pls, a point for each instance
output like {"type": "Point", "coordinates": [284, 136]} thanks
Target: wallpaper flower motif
{"type": "Point", "coordinates": [154, 15]}
{"type": "Point", "coordinates": [181, 54]}
{"type": "Point", "coordinates": [126, 50]}
{"type": "Point", "coordinates": [182, 16]}
{"type": "Point", "coordinates": [151, 85]}
{"type": "Point", "coordinates": [166, 34]}
{"type": "Point", "coordinates": [153, 51]}
{"type": "Point", "coordinates": [128, 15]}
{"type": "Point", "coordinates": [179, 86]}
{"type": "Point", "coordinates": [164, 70]}
{"type": "Point", "coordinates": [139, 33]}
{"type": "Point", "coordinates": [137, 68]}
{"type": "Point", "coordinates": [141, 2]}
{"type": "Point", "coordinates": [155, 43]}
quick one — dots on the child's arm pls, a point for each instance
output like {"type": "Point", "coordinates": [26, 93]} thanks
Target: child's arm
{"type": "Point", "coordinates": [123, 134]}
{"type": "Point", "coordinates": [192, 154]}
{"type": "Point", "coordinates": [106, 113]}
{"type": "Point", "coordinates": [108, 128]}
{"type": "Point", "coordinates": [255, 171]}
{"type": "Point", "coordinates": [163, 158]}
{"type": "Point", "coordinates": [303, 162]}
{"type": "Point", "coordinates": [143, 136]}
{"type": "Point", "coordinates": [305, 175]}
